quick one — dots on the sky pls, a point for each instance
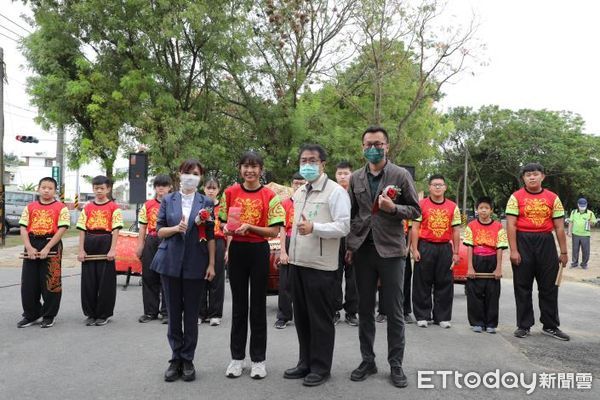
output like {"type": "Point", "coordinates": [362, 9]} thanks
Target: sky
{"type": "Point", "coordinates": [540, 55]}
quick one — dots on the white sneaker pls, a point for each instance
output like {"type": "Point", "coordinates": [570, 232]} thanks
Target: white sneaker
{"type": "Point", "coordinates": [234, 369]}
{"type": "Point", "coordinates": [215, 321]}
{"type": "Point", "coordinates": [259, 370]}
{"type": "Point", "coordinates": [422, 324]}
{"type": "Point", "coordinates": [445, 324]}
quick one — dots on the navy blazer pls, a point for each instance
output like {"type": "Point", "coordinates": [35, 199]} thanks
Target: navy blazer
{"type": "Point", "coordinates": [181, 255]}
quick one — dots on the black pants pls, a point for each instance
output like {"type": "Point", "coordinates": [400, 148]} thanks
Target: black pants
{"type": "Point", "coordinates": [539, 260]}
{"type": "Point", "coordinates": [98, 278]}
{"type": "Point", "coordinates": [483, 295]}
{"type": "Point", "coordinates": [249, 263]}
{"type": "Point", "coordinates": [350, 306]}
{"type": "Point", "coordinates": [41, 278]}
{"type": "Point", "coordinates": [371, 267]}
{"type": "Point", "coordinates": [183, 306]}
{"type": "Point", "coordinates": [213, 292]}
{"type": "Point", "coordinates": [407, 290]}
{"type": "Point", "coordinates": [433, 274]}
{"type": "Point", "coordinates": [285, 310]}
{"type": "Point", "coordinates": [313, 311]}
{"type": "Point", "coordinates": [151, 286]}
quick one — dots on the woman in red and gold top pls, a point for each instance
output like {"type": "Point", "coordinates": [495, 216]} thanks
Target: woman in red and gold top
{"type": "Point", "coordinates": [532, 213]}
{"type": "Point", "coordinates": [435, 243]}
{"type": "Point", "coordinates": [148, 242]}
{"type": "Point", "coordinates": [43, 224]}
{"type": "Point", "coordinates": [213, 292]}
{"type": "Point", "coordinates": [99, 224]}
{"type": "Point", "coordinates": [486, 239]}
{"type": "Point", "coordinates": [260, 216]}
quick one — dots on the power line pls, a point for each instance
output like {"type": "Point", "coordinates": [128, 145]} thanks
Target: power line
{"type": "Point", "coordinates": [11, 31]}
{"type": "Point", "coordinates": [20, 108]}
{"type": "Point", "coordinates": [13, 22]}
{"type": "Point", "coordinates": [8, 37]}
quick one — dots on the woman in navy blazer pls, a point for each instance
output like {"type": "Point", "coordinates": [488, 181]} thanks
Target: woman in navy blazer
{"type": "Point", "coordinates": [184, 262]}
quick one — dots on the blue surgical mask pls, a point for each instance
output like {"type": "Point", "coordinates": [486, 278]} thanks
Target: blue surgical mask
{"type": "Point", "coordinates": [310, 172]}
{"type": "Point", "coordinates": [374, 155]}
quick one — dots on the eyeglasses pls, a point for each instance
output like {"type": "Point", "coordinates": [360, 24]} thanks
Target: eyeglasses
{"type": "Point", "coordinates": [377, 145]}
{"type": "Point", "coordinates": [438, 185]}
{"type": "Point", "coordinates": [311, 160]}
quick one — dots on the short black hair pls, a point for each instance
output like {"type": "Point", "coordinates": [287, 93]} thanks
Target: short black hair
{"type": "Point", "coordinates": [313, 147]}
{"type": "Point", "coordinates": [162, 180]}
{"type": "Point", "coordinates": [343, 165]}
{"type": "Point", "coordinates": [212, 181]}
{"type": "Point", "coordinates": [102, 180]}
{"type": "Point", "coordinates": [298, 177]}
{"type": "Point", "coordinates": [48, 179]}
{"type": "Point", "coordinates": [189, 165]}
{"type": "Point", "coordinates": [531, 167]}
{"type": "Point", "coordinates": [436, 176]}
{"type": "Point", "coordinates": [484, 199]}
{"type": "Point", "coordinates": [251, 158]}
{"type": "Point", "coordinates": [375, 129]}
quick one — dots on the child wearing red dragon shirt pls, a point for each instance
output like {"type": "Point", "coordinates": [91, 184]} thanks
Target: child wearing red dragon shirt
{"type": "Point", "coordinates": [485, 240]}
{"type": "Point", "coordinates": [43, 224]}
{"type": "Point", "coordinates": [148, 242]}
{"type": "Point", "coordinates": [260, 218]}
{"type": "Point", "coordinates": [99, 224]}
{"type": "Point", "coordinates": [532, 213]}
{"type": "Point", "coordinates": [434, 247]}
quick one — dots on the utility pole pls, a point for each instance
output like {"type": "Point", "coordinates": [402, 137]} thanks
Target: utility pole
{"type": "Point", "coordinates": [465, 183]}
{"type": "Point", "coordinates": [2, 193]}
{"type": "Point", "coordinates": [60, 160]}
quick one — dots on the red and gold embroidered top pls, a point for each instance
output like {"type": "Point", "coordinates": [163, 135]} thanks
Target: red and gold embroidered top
{"type": "Point", "coordinates": [437, 220]}
{"type": "Point", "coordinates": [535, 211]}
{"type": "Point", "coordinates": [288, 206]}
{"type": "Point", "coordinates": [148, 215]}
{"type": "Point", "coordinates": [100, 217]}
{"type": "Point", "coordinates": [485, 238]}
{"type": "Point", "coordinates": [260, 207]}
{"type": "Point", "coordinates": [218, 228]}
{"type": "Point", "coordinates": [45, 219]}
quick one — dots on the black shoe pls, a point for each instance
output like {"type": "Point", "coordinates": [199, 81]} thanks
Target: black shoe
{"type": "Point", "coordinates": [165, 320]}
{"type": "Point", "coordinates": [351, 319]}
{"type": "Point", "coordinates": [146, 318]}
{"type": "Point", "coordinates": [47, 322]}
{"type": "Point", "coordinates": [408, 319]}
{"type": "Point", "coordinates": [380, 318]}
{"type": "Point", "coordinates": [24, 323]}
{"type": "Point", "coordinates": [102, 321]}
{"type": "Point", "coordinates": [174, 371]}
{"type": "Point", "coordinates": [89, 321]}
{"type": "Point", "coordinates": [521, 332]}
{"type": "Point", "coordinates": [281, 324]}
{"type": "Point", "coordinates": [313, 379]}
{"type": "Point", "coordinates": [363, 371]}
{"type": "Point", "coordinates": [336, 318]}
{"type": "Point", "coordinates": [556, 333]}
{"type": "Point", "coordinates": [188, 371]}
{"type": "Point", "coordinates": [398, 377]}
{"type": "Point", "coordinates": [296, 373]}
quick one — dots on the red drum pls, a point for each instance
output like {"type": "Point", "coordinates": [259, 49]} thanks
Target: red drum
{"type": "Point", "coordinates": [126, 258]}
{"type": "Point", "coordinates": [459, 272]}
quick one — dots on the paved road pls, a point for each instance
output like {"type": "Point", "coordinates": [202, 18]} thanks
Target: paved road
{"type": "Point", "coordinates": [126, 360]}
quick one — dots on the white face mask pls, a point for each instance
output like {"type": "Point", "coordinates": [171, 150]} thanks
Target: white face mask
{"type": "Point", "coordinates": [582, 209]}
{"type": "Point", "coordinates": [189, 181]}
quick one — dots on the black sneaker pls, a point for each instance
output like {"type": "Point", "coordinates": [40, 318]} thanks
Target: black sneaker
{"type": "Point", "coordinates": [380, 318]}
{"type": "Point", "coordinates": [188, 372]}
{"type": "Point", "coordinates": [521, 333]}
{"type": "Point", "coordinates": [146, 318]}
{"type": "Point", "coordinates": [102, 321]}
{"type": "Point", "coordinates": [556, 334]}
{"type": "Point", "coordinates": [47, 322]}
{"type": "Point", "coordinates": [90, 321]}
{"type": "Point", "coordinates": [336, 318]}
{"type": "Point", "coordinates": [165, 320]}
{"type": "Point", "coordinates": [281, 324]}
{"type": "Point", "coordinates": [174, 371]}
{"type": "Point", "coordinates": [24, 323]}
{"type": "Point", "coordinates": [363, 371]}
{"type": "Point", "coordinates": [398, 377]}
{"type": "Point", "coordinates": [351, 319]}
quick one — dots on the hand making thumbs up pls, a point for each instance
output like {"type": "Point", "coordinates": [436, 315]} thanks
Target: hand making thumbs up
{"type": "Point", "coordinates": [182, 227]}
{"type": "Point", "coordinates": [305, 227]}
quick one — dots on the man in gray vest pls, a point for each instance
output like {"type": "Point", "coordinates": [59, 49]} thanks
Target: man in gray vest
{"type": "Point", "coordinates": [382, 195]}
{"type": "Point", "coordinates": [321, 218]}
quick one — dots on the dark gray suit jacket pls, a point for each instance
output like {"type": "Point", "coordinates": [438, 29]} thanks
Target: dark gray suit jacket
{"type": "Point", "coordinates": [388, 229]}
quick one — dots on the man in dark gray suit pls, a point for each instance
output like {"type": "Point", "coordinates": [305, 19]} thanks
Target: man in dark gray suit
{"type": "Point", "coordinates": [382, 195]}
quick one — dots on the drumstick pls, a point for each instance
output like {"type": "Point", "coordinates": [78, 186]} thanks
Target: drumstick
{"type": "Point", "coordinates": [23, 256]}
{"type": "Point", "coordinates": [96, 257]}
{"type": "Point", "coordinates": [559, 275]}
{"type": "Point", "coordinates": [485, 275]}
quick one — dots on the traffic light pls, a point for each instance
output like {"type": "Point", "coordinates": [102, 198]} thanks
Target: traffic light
{"type": "Point", "coordinates": [27, 139]}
